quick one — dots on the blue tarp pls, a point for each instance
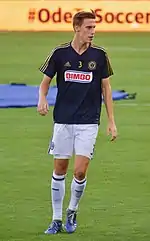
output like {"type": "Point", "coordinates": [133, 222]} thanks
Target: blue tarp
{"type": "Point", "coordinates": [22, 95]}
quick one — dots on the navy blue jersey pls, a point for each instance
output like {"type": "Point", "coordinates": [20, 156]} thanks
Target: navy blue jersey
{"type": "Point", "coordinates": [78, 78]}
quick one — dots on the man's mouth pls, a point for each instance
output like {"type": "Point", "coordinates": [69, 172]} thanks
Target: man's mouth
{"type": "Point", "coordinates": [91, 37]}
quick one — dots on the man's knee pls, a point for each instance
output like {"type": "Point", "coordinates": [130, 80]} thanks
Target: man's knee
{"type": "Point", "coordinates": [80, 167]}
{"type": "Point", "coordinates": [61, 166]}
{"type": "Point", "coordinates": [79, 175]}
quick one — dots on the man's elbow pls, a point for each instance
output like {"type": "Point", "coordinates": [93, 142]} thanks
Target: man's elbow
{"type": "Point", "coordinates": [106, 87]}
{"type": "Point", "coordinates": [46, 79]}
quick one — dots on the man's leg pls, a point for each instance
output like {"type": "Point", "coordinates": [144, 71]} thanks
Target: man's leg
{"type": "Point", "coordinates": [58, 187]}
{"type": "Point", "coordinates": [61, 148]}
{"type": "Point", "coordinates": [77, 189]}
{"type": "Point", "coordinates": [79, 181]}
{"type": "Point", "coordinates": [85, 138]}
{"type": "Point", "coordinates": [57, 194]}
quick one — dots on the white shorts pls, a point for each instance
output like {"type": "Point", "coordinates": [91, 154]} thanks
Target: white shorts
{"type": "Point", "coordinates": [73, 139]}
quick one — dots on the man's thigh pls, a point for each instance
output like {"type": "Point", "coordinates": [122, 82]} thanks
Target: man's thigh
{"type": "Point", "coordinates": [85, 139]}
{"type": "Point", "coordinates": [61, 145]}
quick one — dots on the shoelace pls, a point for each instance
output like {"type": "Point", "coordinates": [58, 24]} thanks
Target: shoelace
{"type": "Point", "coordinates": [54, 226]}
{"type": "Point", "coordinates": [71, 218]}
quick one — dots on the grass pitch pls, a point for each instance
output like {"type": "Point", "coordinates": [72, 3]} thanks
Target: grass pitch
{"type": "Point", "coordinates": [115, 206]}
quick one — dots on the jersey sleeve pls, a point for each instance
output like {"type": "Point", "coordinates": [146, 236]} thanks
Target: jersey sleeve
{"type": "Point", "coordinates": [106, 69]}
{"type": "Point", "coordinates": [49, 65]}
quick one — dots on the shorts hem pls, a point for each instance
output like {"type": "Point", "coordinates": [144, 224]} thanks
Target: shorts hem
{"type": "Point", "coordinates": [85, 155]}
{"type": "Point", "coordinates": [58, 156]}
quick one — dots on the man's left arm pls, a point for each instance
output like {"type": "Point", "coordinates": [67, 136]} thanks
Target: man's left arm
{"type": "Point", "coordinates": [107, 95]}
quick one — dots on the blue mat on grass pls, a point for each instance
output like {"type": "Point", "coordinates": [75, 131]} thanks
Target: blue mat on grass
{"type": "Point", "coordinates": [22, 95]}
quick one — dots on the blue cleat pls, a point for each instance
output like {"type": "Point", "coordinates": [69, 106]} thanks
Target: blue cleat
{"type": "Point", "coordinates": [71, 223]}
{"type": "Point", "coordinates": [55, 227]}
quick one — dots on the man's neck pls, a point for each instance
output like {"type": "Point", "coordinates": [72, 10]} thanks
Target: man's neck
{"type": "Point", "coordinates": [79, 46]}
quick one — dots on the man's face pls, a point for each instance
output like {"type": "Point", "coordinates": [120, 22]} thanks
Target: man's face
{"type": "Point", "coordinates": [87, 30]}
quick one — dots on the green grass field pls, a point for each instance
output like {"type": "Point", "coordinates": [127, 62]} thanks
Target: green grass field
{"type": "Point", "coordinates": [116, 205]}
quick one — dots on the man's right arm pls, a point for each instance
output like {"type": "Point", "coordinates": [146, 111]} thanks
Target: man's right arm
{"type": "Point", "coordinates": [48, 69]}
{"type": "Point", "coordinates": [44, 86]}
{"type": "Point", "coordinates": [43, 105]}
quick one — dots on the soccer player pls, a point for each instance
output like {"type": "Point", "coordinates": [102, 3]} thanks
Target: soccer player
{"type": "Point", "coordinates": [83, 72]}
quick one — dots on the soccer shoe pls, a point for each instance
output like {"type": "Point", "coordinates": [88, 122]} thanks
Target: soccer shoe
{"type": "Point", "coordinates": [55, 227]}
{"type": "Point", "coordinates": [71, 223]}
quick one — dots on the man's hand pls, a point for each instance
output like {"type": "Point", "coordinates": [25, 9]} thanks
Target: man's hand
{"type": "Point", "coordinates": [112, 130]}
{"type": "Point", "coordinates": [43, 106]}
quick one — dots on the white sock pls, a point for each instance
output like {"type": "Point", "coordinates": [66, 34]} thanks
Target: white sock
{"type": "Point", "coordinates": [57, 193]}
{"type": "Point", "coordinates": [77, 189]}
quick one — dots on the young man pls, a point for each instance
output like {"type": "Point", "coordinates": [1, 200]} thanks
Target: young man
{"type": "Point", "coordinates": [83, 72]}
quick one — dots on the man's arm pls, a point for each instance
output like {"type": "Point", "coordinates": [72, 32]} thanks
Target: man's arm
{"type": "Point", "coordinates": [107, 95]}
{"type": "Point", "coordinates": [49, 69]}
{"type": "Point", "coordinates": [43, 106]}
{"type": "Point", "coordinates": [44, 86]}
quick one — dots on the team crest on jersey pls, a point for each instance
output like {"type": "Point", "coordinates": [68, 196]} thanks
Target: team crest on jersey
{"type": "Point", "coordinates": [92, 65]}
{"type": "Point", "coordinates": [78, 76]}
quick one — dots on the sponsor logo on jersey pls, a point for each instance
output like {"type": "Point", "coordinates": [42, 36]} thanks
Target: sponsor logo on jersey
{"type": "Point", "coordinates": [78, 76]}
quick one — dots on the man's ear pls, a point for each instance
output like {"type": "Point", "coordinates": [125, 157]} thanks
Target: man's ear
{"type": "Point", "coordinates": [77, 28]}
